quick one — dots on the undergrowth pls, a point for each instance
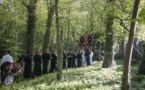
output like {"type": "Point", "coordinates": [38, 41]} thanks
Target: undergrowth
{"type": "Point", "coordinates": [86, 78]}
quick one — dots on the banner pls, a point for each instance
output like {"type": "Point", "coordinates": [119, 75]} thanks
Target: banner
{"type": "Point", "coordinates": [82, 42]}
{"type": "Point", "coordinates": [90, 41]}
{"type": "Point", "coordinates": [86, 42]}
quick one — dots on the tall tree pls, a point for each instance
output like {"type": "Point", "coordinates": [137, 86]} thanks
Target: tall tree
{"type": "Point", "coordinates": [68, 32]}
{"type": "Point", "coordinates": [109, 56]}
{"type": "Point", "coordinates": [31, 23]}
{"type": "Point", "coordinates": [91, 17]}
{"type": "Point", "coordinates": [129, 48]}
{"type": "Point", "coordinates": [48, 26]}
{"type": "Point", "coordinates": [59, 43]}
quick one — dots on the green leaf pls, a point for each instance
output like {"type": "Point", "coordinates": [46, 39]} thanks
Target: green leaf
{"type": "Point", "coordinates": [142, 16]}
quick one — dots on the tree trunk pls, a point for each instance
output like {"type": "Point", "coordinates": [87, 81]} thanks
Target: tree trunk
{"type": "Point", "coordinates": [68, 32]}
{"type": "Point", "coordinates": [31, 22]}
{"type": "Point", "coordinates": [62, 36]}
{"type": "Point", "coordinates": [47, 35]}
{"type": "Point", "coordinates": [122, 49]}
{"type": "Point", "coordinates": [31, 28]}
{"type": "Point", "coordinates": [92, 18]}
{"type": "Point", "coordinates": [109, 56]}
{"type": "Point", "coordinates": [99, 53]}
{"type": "Point", "coordinates": [128, 53]}
{"type": "Point", "coordinates": [59, 43]}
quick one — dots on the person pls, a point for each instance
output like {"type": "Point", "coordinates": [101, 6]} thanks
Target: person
{"type": "Point", "coordinates": [37, 64]}
{"type": "Point", "coordinates": [91, 56]}
{"type": "Point", "coordinates": [28, 66]}
{"type": "Point", "coordinates": [8, 58]}
{"type": "Point", "coordinates": [73, 60]}
{"type": "Point", "coordinates": [79, 59]}
{"type": "Point", "coordinates": [69, 60]}
{"type": "Point", "coordinates": [87, 55]}
{"type": "Point", "coordinates": [64, 60]}
{"type": "Point", "coordinates": [46, 58]}
{"type": "Point", "coordinates": [53, 62]}
{"type": "Point", "coordinates": [83, 58]}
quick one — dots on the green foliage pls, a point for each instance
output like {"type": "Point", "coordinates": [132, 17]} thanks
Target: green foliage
{"type": "Point", "coordinates": [13, 17]}
{"type": "Point", "coordinates": [86, 78]}
{"type": "Point", "coordinates": [142, 16]}
{"type": "Point", "coordinates": [141, 68]}
{"type": "Point", "coordinates": [137, 77]}
{"type": "Point", "coordinates": [91, 77]}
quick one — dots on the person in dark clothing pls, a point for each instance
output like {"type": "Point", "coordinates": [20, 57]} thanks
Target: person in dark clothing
{"type": "Point", "coordinates": [79, 59]}
{"type": "Point", "coordinates": [74, 60]}
{"type": "Point", "coordinates": [64, 60]}
{"type": "Point", "coordinates": [37, 64]}
{"type": "Point", "coordinates": [87, 55]}
{"type": "Point", "coordinates": [28, 65]}
{"type": "Point", "coordinates": [46, 58]}
{"type": "Point", "coordinates": [53, 62]}
{"type": "Point", "coordinates": [69, 60]}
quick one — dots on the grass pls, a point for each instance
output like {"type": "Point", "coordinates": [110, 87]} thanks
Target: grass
{"type": "Point", "coordinates": [86, 78]}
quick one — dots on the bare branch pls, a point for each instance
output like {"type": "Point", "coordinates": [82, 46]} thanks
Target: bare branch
{"type": "Point", "coordinates": [122, 23]}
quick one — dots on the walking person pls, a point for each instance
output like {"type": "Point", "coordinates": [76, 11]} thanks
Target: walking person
{"type": "Point", "coordinates": [87, 55]}
{"type": "Point", "coordinates": [37, 64]}
{"type": "Point", "coordinates": [73, 60]}
{"type": "Point", "coordinates": [69, 60]}
{"type": "Point", "coordinates": [79, 59]}
{"type": "Point", "coordinates": [53, 62]}
{"type": "Point", "coordinates": [28, 66]}
{"type": "Point", "coordinates": [64, 60]}
{"type": "Point", "coordinates": [83, 58]}
{"type": "Point", "coordinates": [46, 58]}
{"type": "Point", "coordinates": [91, 57]}
{"type": "Point", "coordinates": [8, 58]}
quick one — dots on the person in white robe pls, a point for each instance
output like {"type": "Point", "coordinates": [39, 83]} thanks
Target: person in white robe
{"type": "Point", "coordinates": [91, 57]}
{"type": "Point", "coordinates": [7, 58]}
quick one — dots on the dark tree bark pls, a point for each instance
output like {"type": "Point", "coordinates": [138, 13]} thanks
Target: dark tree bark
{"type": "Point", "coordinates": [122, 49]}
{"type": "Point", "coordinates": [47, 35]}
{"type": "Point", "coordinates": [59, 43]}
{"type": "Point", "coordinates": [31, 24]}
{"type": "Point", "coordinates": [68, 32]}
{"type": "Point", "coordinates": [109, 56]}
{"type": "Point", "coordinates": [99, 53]}
{"type": "Point", "coordinates": [92, 18]}
{"type": "Point", "coordinates": [129, 48]}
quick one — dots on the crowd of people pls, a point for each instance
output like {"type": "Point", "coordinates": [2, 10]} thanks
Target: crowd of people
{"type": "Point", "coordinates": [49, 62]}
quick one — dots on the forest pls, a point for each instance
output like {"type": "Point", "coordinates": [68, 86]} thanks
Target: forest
{"type": "Point", "coordinates": [116, 29]}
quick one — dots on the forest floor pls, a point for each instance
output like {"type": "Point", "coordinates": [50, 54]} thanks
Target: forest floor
{"type": "Point", "coordinates": [86, 78]}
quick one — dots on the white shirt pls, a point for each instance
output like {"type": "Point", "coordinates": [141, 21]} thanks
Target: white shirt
{"type": "Point", "coordinates": [82, 53]}
{"type": "Point", "coordinates": [91, 55]}
{"type": "Point", "coordinates": [7, 58]}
